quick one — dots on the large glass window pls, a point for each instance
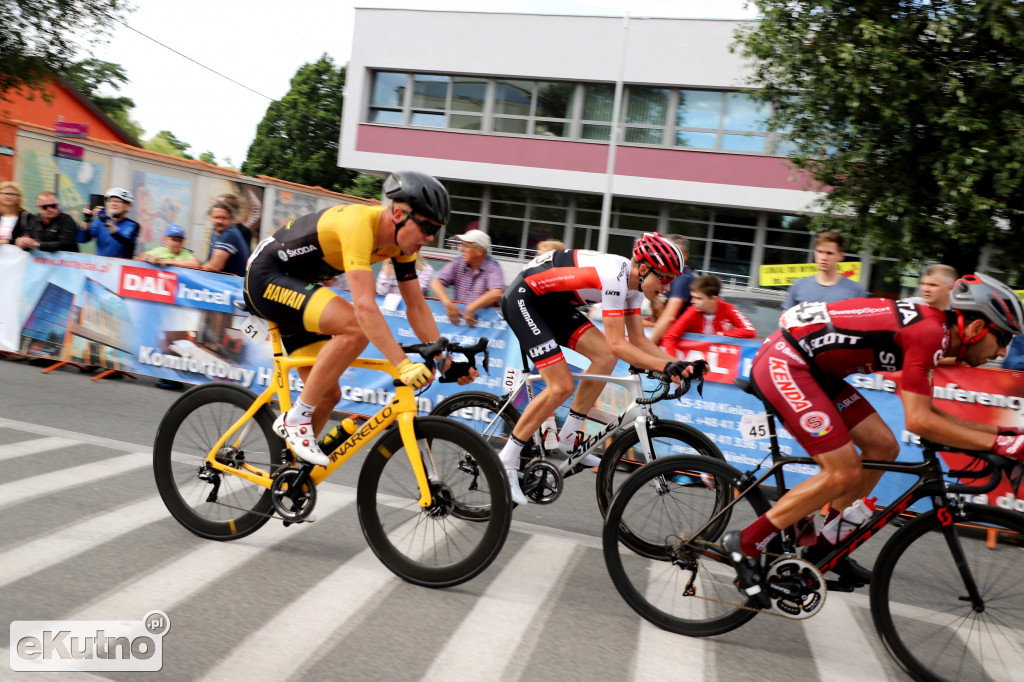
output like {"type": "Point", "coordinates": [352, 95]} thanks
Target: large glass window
{"type": "Point", "coordinates": [598, 100]}
{"type": "Point", "coordinates": [646, 114]}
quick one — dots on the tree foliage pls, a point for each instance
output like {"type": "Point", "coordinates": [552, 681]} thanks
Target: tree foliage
{"type": "Point", "coordinates": [912, 111]}
{"type": "Point", "coordinates": [297, 140]}
{"type": "Point", "coordinates": [89, 75]}
{"type": "Point", "coordinates": [366, 186]}
{"type": "Point", "coordinates": [39, 37]}
{"type": "Point", "coordinates": [166, 143]}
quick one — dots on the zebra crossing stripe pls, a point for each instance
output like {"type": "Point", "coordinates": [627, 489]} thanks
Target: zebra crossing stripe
{"type": "Point", "coordinates": [35, 446]}
{"type": "Point", "coordinates": [70, 541]}
{"type": "Point", "coordinates": [53, 481]}
{"type": "Point", "coordinates": [835, 630]}
{"type": "Point", "coordinates": [195, 571]}
{"type": "Point", "coordinates": [482, 646]}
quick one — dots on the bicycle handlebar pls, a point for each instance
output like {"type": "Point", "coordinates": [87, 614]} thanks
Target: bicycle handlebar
{"type": "Point", "coordinates": [429, 351]}
{"type": "Point", "coordinates": [986, 478]}
{"type": "Point", "coordinates": [699, 368]}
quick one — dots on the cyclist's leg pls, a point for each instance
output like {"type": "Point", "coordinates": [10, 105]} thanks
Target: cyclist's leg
{"type": "Point", "coordinates": [590, 342]}
{"type": "Point", "coordinates": [877, 443]}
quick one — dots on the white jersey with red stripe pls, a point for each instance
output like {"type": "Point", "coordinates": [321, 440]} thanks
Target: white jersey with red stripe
{"type": "Point", "coordinates": [591, 276]}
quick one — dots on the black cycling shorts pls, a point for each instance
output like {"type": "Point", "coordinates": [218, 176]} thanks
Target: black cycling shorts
{"type": "Point", "coordinates": [543, 323]}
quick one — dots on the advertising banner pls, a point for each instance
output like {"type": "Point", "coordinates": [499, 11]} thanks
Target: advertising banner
{"type": "Point", "coordinates": [180, 324]}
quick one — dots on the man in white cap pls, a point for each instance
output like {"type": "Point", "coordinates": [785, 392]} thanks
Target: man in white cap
{"type": "Point", "coordinates": [477, 278]}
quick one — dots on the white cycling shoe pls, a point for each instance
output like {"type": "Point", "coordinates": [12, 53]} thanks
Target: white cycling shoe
{"type": "Point", "coordinates": [570, 444]}
{"type": "Point", "coordinates": [302, 441]}
{"type": "Point", "coordinates": [513, 484]}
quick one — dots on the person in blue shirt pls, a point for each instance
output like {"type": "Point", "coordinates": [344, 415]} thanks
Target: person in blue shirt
{"type": "Point", "coordinates": [228, 250]}
{"type": "Point", "coordinates": [115, 233]}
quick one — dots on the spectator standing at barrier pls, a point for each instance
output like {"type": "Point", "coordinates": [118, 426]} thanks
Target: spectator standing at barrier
{"type": "Point", "coordinates": [707, 314]}
{"type": "Point", "coordinates": [228, 250]}
{"type": "Point", "coordinates": [51, 230]}
{"type": "Point", "coordinates": [13, 215]}
{"type": "Point", "coordinates": [477, 278]}
{"type": "Point", "coordinates": [115, 233]}
{"type": "Point", "coordinates": [936, 285]}
{"type": "Point", "coordinates": [678, 293]}
{"type": "Point", "coordinates": [827, 285]}
{"type": "Point", "coordinates": [235, 204]}
{"type": "Point", "coordinates": [173, 251]}
{"type": "Point", "coordinates": [388, 284]}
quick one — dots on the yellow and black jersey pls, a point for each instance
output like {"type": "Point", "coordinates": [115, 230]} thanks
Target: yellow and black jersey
{"type": "Point", "coordinates": [339, 239]}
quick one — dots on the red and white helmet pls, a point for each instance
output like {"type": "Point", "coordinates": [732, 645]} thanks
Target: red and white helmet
{"type": "Point", "coordinates": [660, 253]}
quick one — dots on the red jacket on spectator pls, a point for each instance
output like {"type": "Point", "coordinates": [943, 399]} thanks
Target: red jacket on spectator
{"type": "Point", "coordinates": [726, 322]}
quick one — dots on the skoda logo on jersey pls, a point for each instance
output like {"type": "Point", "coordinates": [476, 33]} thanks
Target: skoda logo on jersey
{"type": "Point", "coordinates": [285, 254]}
{"type": "Point", "coordinates": [816, 423]}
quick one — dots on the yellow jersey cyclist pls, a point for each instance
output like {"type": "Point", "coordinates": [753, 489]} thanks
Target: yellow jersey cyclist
{"type": "Point", "coordinates": [283, 283]}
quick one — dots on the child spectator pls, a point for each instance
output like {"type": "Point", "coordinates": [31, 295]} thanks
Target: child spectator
{"type": "Point", "coordinates": [707, 314]}
{"type": "Point", "coordinates": [173, 252]}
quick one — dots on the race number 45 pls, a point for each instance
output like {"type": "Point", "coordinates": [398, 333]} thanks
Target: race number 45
{"type": "Point", "coordinates": [755, 426]}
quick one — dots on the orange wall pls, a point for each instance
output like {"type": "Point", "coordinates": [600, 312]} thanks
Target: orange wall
{"type": "Point", "coordinates": [45, 113]}
{"type": "Point", "coordinates": [7, 134]}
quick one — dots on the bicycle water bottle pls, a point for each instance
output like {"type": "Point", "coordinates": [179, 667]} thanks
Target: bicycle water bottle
{"type": "Point", "coordinates": [849, 520]}
{"type": "Point", "coordinates": [550, 430]}
{"type": "Point", "coordinates": [345, 428]}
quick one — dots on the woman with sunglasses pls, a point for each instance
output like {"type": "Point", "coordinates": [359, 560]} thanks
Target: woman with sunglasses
{"type": "Point", "coordinates": [284, 283]}
{"type": "Point", "coordinates": [540, 306]}
{"type": "Point", "coordinates": [13, 215]}
{"type": "Point", "coordinates": [800, 372]}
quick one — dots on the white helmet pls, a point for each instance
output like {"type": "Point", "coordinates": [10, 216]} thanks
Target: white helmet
{"type": "Point", "coordinates": [120, 193]}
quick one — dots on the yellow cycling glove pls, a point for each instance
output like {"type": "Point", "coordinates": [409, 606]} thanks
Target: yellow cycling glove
{"type": "Point", "coordinates": [413, 374]}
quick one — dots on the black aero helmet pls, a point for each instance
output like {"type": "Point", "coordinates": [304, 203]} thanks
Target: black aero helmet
{"type": "Point", "coordinates": [989, 298]}
{"type": "Point", "coordinates": [424, 194]}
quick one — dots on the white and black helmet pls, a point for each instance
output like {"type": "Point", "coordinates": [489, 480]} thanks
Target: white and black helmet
{"type": "Point", "coordinates": [120, 193]}
{"type": "Point", "coordinates": [990, 299]}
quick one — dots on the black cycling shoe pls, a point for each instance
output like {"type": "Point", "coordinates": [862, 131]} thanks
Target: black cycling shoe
{"type": "Point", "coordinates": [851, 573]}
{"type": "Point", "coordinates": [748, 570]}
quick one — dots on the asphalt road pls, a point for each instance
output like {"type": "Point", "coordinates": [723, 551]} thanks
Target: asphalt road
{"type": "Point", "coordinates": [84, 536]}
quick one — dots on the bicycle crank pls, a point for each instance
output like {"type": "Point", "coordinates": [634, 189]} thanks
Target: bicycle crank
{"type": "Point", "coordinates": [293, 494]}
{"type": "Point", "coordinates": [542, 481]}
{"type": "Point", "coordinates": [795, 587]}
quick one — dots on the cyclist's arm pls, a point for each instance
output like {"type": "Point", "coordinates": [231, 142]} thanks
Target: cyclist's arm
{"type": "Point", "coordinates": [364, 301]}
{"type": "Point", "coordinates": [636, 349]}
{"type": "Point", "coordinates": [417, 311]}
{"type": "Point", "coordinates": [927, 421]}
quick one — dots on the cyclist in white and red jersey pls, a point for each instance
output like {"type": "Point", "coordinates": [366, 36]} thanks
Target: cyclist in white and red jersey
{"type": "Point", "coordinates": [540, 307]}
{"type": "Point", "coordinates": [800, 369]}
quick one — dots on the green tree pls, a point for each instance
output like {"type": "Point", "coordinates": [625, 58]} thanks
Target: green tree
{"type": "Point", "coordinates": [40, 37]}
{"type": "Point", "coordinates": [166, 143]}
{"type": "Point", "coordinates": [366, 186]}
{"type": "Point", "coordinates": [89, 75]}
{"type": "Point", "coordinates": [910, 110]}
{"type": "Point", "coordinates": [297, 140]}
{"type": "Point", "coordinates": [208, 157]}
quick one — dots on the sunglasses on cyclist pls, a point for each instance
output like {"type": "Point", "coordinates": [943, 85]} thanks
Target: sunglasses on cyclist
{"type": "Point", "coordinates": [663, 278]}
{"type": "Point", "coordinates": [48, 206]}
{"type": "Point", "coordinates": [428, 228]}
{"type": "Point", "coordinates": [1003, 337]}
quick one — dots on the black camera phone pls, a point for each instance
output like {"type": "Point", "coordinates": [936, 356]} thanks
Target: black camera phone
{"type": "Point", "coordinates": [94, 200]}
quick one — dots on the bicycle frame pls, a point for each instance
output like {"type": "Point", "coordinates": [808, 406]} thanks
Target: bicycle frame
{"type": "Point", "coordinates": [402, 408]}
{"type": "Point", "coordinates": [635, 412]}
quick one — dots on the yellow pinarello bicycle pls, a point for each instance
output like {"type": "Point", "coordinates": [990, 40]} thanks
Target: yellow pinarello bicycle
{"type": "Point", "coordinates": [431, 496]}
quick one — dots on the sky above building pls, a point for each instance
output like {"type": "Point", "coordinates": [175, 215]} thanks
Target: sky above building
{"type": "Point", "coordinates": [206, 71]}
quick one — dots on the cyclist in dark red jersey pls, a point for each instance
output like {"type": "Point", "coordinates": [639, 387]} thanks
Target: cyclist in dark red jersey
{"type": "Point", "coordinates": [540, 307]}
{"type": "Point", "coordinates": [800, 370]}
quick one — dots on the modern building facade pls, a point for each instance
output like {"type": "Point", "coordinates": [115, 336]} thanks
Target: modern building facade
{"type": "Point", "coordinates": [515, 113]}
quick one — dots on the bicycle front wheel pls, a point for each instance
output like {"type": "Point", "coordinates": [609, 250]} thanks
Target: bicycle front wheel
{"type": "Point", "coordinates": [626, 454]}
{"type": "Point", "coordinates": [461, 533]}
{"type": "Point", "coordinates": [671, 502]}
{"type": "Point", "coordinates": [923, 609]}
{"type": "Point", "coordinates": [209, 503]}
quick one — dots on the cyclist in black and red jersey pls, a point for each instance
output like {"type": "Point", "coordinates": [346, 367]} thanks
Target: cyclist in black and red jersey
{"type": "Point", "coordinates": [540, 307]}
{"type": "Point", "coordinates": [284, 279]}
{"type": "Point", "coordinates": [800, 369]}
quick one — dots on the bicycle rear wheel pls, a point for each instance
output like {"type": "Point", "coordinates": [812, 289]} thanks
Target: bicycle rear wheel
{"type": "Point", "coordinates": [625, 454]}
{"type": "Point", "coordinates": [921, 606]}
{"type": "Point", "coordinates": [209, 503]}
{"type": "Point", "coordinates": [679, 587]}
{"type": "Point", "coordinates": [479, 411]}
{"type": "Point", "coordinates": [461, 533]}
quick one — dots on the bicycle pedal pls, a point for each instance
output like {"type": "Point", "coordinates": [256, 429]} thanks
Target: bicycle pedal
{"type": "Point", "coordinates": [840, 586]}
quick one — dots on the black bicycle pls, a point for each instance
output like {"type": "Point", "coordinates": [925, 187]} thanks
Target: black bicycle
{"type": "Point", "coordinates": [944, 593]}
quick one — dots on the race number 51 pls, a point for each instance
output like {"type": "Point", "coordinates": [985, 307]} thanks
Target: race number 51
{"type": "Point", "coordinates": [255, 328]}
{"type": "Point", "coordinates": [754, 426]}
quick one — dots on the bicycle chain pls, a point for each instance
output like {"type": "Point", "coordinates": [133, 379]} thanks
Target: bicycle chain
{"type": "Point", "coordinates": [272, 515]}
